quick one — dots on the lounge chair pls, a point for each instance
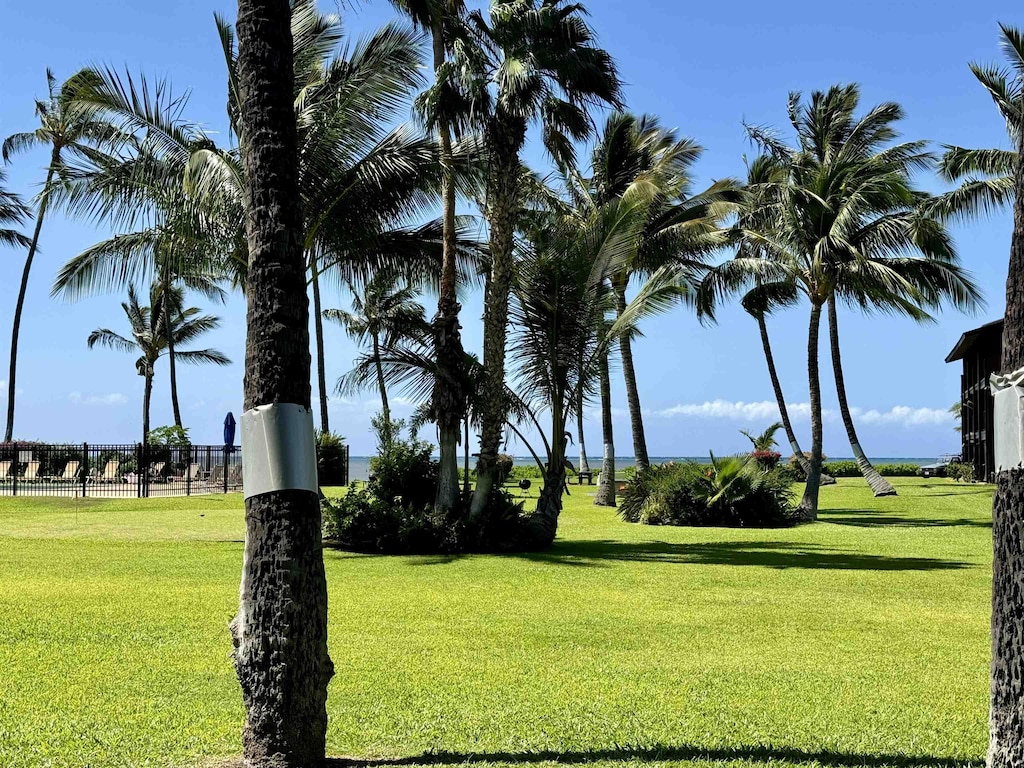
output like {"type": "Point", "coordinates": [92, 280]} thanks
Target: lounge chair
{"type": "Point", "coordinates": [156, 472]}
{"type": "Point", "coordinates": [68, 475]}
{"type": "Point", "coordinates": [235, 476]}
{"type": "Point", "coordinates": [31, 472]}
{"type": "Point", "coordinates": [217, 476]}
{"type": "Point", "coordinates": [111, 472]}
{"type": "Point", "coordinates": [5, 470]}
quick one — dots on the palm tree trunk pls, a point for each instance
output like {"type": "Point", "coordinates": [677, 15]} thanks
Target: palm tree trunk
{"type": "Point", "coordinates": [879, 484]}
{"type": "Point", "coordinates": [606, 487]}
{"type": "Point", "coordinates": [542, 526]}
{"type": "Point", "coordinates": [12, 378]}
{"type": "Point", "coordinates": [146, 399]}
{"type": "Point", "coordinates": [808, 508]}
{"type": "Point", "coordinates": [381, 385]}
{"type": "Point", "coordinates": [779, 398]}
{"type": "Point", "coordinates": [318, 328]}
{"type": "Point", "coordinates": [283, 595]}
{"type": "Point", "coordinates": [465, 450]}
{"type": "Point", "coordinates": [584, 464]}
{"type": "Point", "coordinates": [636, 418]}
{"type": "Point", "coordinates": [1006, 714]}
{"type": "Point", "coordinates": [505, 136]}
{"type": "Point", "coordinates": [171, 360]}
{"type": "Point", "coordinates": [449, 399]}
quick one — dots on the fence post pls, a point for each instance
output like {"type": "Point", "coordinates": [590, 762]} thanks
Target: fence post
{"type": "Point", "coordinates": [85, 467]}
{"type": "Point", "coordinates": [188, 473]}
{"type": "Point", "coordinates": [227, 457]}
{"type": "Point", "coordinates": [14, 464]}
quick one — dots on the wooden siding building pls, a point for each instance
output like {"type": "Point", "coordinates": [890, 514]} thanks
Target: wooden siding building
{"type": "Point", "coordinates": [981, 353]}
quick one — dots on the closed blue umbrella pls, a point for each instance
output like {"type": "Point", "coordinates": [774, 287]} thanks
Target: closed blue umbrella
{"type": "Point", "coordinates": [229, 429]}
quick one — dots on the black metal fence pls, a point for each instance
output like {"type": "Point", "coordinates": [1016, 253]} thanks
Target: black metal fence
{"type": "Point", "coordinates": [130, 471]}
{"type": "Point", "coordinates": [126, 471]}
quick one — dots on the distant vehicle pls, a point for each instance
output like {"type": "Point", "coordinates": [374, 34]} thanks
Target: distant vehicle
{"type": "Point", "coordinates": [938, 469]}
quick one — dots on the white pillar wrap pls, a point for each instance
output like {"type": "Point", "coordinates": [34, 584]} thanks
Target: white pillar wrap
{"type": "Point", "coordinates": [1008, 417]}
{"type": "Point", "coordinates": [278, 449]}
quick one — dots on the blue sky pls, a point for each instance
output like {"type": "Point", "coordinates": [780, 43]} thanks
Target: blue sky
{"type": "Point", "coordinates": [703, 68]}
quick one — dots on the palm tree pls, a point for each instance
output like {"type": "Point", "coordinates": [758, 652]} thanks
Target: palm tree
{"type": "Point", "coordinates": [766, 440]}
{"type": "Point", "coordinates": [62, 130]}
{"type": "Point", "coordinates": [361, 182]}
{"type": "Point", "coordinates": [12, 211]}
{"type": "Point", "coordinates": [150, 338]}
{"type": "Point", "coordinates": [531, 61]}
{"type": "Point", "coordinates": [682, 230]}
{"type": "Point", "coordinates": [283, 596]}
{"type": "Point", "coordinates": [383, 312]}
{"type": "Point", "coordinates": [987, 176]}
{"type": "Point", "coordinates": [845, 224]}
{"type": "Point", "coordinates": [1006, 86]}
{"type": "Point", "coordinates": [439, 17]}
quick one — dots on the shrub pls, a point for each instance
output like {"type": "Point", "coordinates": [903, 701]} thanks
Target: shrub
{"type": "Point", "coordinates": [394, 513]}
{"type": "Point", "coordinates": [841, 468]}
{"type": "Point", "coordinates": [503, 468]}
{"type": "Point", "coordinates": [899, 470]}
{"type": "Point", "coordinates": [961, 472]}
{"type": "Point", "coordinates": [766, 460]}
{"type": "Point", "coordinates": [330, 458]}
{"type": "Point", "coordinates": [850, 469]}
{"type": "Point", "coordinates": [731, 492]}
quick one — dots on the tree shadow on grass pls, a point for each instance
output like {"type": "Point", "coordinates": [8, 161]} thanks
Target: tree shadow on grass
{"type": "Point", "coordinates": [865, 518]}
{"type": "Point", "coordinates": [780, 555]}
{"type": "Point", "coordinates": [752, 754]}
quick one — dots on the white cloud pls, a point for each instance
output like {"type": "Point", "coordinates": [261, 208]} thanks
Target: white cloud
{"type": "Point", "coordinates": [114, 398]}
{"type": "Point", "coordinates": [766, 410]}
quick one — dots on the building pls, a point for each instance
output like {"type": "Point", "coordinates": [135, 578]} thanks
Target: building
{"type": "Point", "coordinates": [981, 351]}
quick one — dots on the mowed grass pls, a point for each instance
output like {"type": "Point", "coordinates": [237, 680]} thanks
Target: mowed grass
{"type": "Point", "coordinates": [861, 640]}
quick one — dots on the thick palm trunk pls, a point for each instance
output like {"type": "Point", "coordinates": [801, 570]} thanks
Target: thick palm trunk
{"type": "Point", "coordinates": [1006, 713]}
{"type": "Point", "coordinates": [779, 398]}
{"type": "Point", "coordinates": [146, 400]}
{"type": "Point", "coordinates": [505, 136]}
{"type": "Point", "coordinates": [12, 377]}
{"type": "Point", "coordinates": [636, 418]}
{"type": "Point", "coordinates": [171, 363]}
{"type": "Point", "coordinates": [584, 464]}
{"type": "Point", "coordinates": [449, 399]}
{"type": "Point", "coordinates": [542, 525]}
{"type": "Point", "coordinates": [280, 633]}
{"type": "Point", "coordinates": [318, 329]}
{"type": "Point", "coordinates": [381, 384]}
{"type": "Point", "coordinates": [879, 484]}
{"type": "Point", "coordinates": [465, 449]}
{"type": "Point", "coordinates": [606, 487]}
{"type": "Point", "coordinates": [808, 508]}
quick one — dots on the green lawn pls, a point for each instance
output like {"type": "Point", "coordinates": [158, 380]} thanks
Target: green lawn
{"type": "Point", "coordinates": [858, 641]}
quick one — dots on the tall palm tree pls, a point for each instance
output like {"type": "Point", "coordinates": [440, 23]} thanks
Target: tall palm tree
{"type": "Point", "coordinates": [383, 312]}
{"type": "Point", "coordinates": [62, 130]}
{"type": "Point", "coordinates": [283, 595]}
{"type": "Point", "coordinates": [361, 181]}
{"type": "Point", "coordinates": [847, 223]}
{"type": "Point", "coordinates": [149, 336]}
{"type": "Point", "coordinates": [530, 61]}
{"type": "Point", "coordinates": [683, 228]}
{"type": "Point", "coordinates": [447, 399]}
{"type": "Point", "coordinates": [1006, 86]}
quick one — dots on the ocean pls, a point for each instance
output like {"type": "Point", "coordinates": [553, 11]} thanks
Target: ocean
{"type": "Point", "coordinates": [359, 466]}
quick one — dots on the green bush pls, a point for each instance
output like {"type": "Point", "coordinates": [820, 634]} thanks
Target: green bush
{"type": "Point", "coordinates": [394, 512]}
{"type": "Point", "coordinates": [169, 436]}
{"type": "Point", "coordinates": [961, 472]}
{"type": "Point", "coordinates": [504, 466]}
{"type": "Point", "coordinates": [850, 469]}
{"type": "Point", "coordinates": [731, 492]}
{"type": "Point", "coordinates": [899, 470]}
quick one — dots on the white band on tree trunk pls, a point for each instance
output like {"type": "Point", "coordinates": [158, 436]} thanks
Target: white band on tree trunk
{"type": "Point", "coordinates": [1008, 419]}
{"type": "Point", "coordinates": [278, 449]}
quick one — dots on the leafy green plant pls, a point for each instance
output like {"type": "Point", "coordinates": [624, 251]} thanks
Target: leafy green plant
{"type": "Point", "coordinates": [729, 492]}
{"type": "Point", "coordinates": [330, 458]}
{"type": "Point", "coordinates": [171, 436]}
{"type": "Point", "coordinates": [961, 472]}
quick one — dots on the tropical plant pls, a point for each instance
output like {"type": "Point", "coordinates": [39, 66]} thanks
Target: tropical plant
{"type": "Point", "coordinates": [529, 61]}
{"type": "Point", "coordinates": [283, 595]}
{"type": "Point", "coordinates": [846, 224]}
{"type": "Point", "coordinates": [170, 436]}
{"type": "Point", "coordinates": [12, 212]}
{"type": "Point", "coordinates": [384, 311]}
{"type": "Point", "coordinates": [986, 176]}
{"type": "Point", "coordinates": [150, 340]}
{"type": "Point", "coordinates": [683, 227]}
{"type": "Point", "coordinates": [731, 491]}
{"type": "Point", "coordinates": [438, 106]}
{"type": "Point", "coordinates": [1006, 738]}
{"type": "Point", "coordinates": [63, 131]}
